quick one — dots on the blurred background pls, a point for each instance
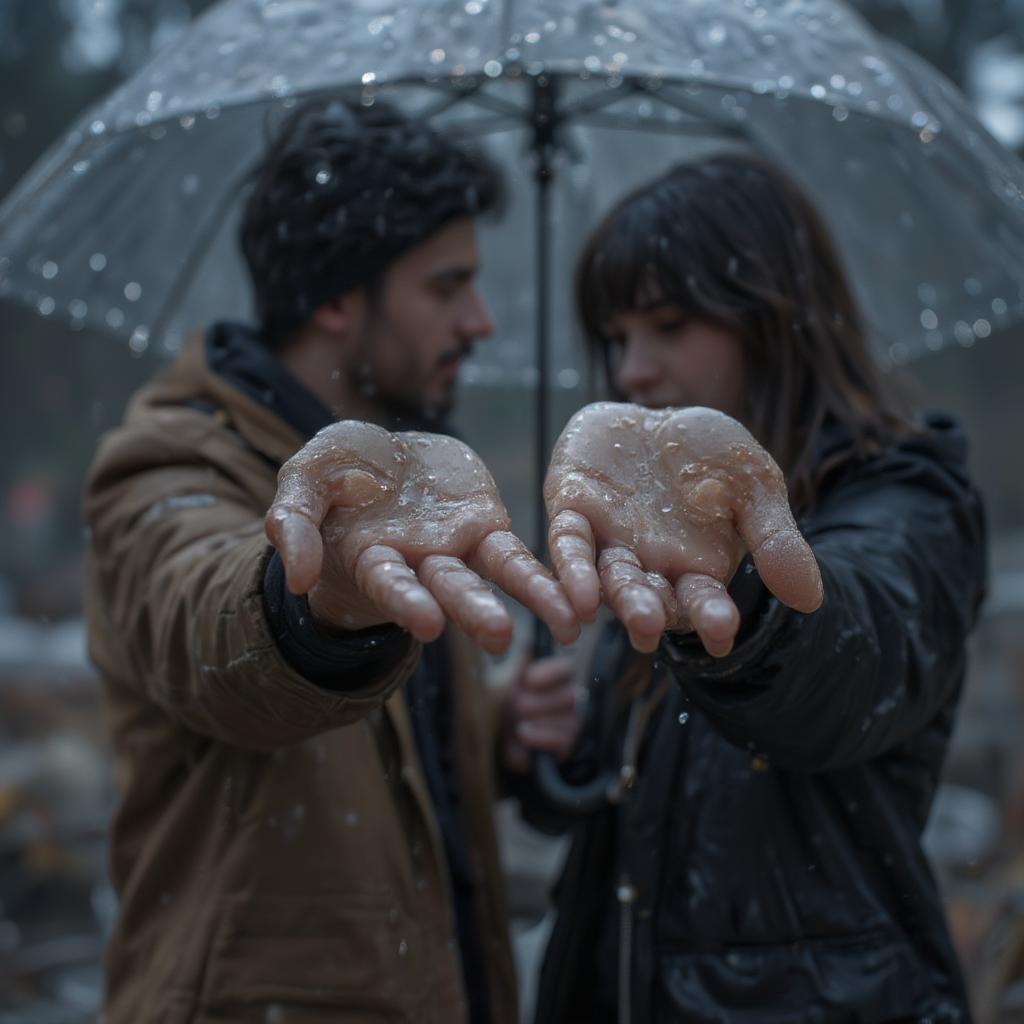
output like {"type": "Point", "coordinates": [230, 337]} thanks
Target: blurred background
{"type": "Point", "coordinates": [60, 388]}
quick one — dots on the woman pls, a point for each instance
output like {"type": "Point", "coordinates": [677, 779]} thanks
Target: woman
{"type": "Point", "coordinates": [760, 859]}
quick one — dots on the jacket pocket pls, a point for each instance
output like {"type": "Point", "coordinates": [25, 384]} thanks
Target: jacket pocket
{"type": "Point", "coordinates": [860, 979]}
{"type": "Point", "coordinates": [305, 959]}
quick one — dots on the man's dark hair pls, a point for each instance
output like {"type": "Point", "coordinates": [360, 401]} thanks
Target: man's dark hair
{"type": "Point", "coordinates": [342, 191]}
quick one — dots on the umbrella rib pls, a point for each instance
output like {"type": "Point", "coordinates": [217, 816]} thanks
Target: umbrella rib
{"type": "Point", "coordinates": [707, 128]}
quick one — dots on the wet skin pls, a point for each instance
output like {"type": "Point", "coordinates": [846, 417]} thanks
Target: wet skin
{"type": "Point", "coordinates": [380, 527]}
{"type": "Point", "coordinates": [652, 511]}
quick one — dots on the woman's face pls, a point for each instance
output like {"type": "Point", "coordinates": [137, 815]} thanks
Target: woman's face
{"type": "Point", "coordinates": [661, 359]}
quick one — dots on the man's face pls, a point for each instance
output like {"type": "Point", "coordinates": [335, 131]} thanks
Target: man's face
{"type": "Point", "coordinates": [422, 324]}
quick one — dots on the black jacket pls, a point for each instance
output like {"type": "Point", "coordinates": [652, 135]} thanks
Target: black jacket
{"type": "Point", "coordinates": [767, 865]}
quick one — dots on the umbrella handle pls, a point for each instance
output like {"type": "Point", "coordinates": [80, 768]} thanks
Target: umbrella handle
{"type": "Point", "coordinates": [568, 798]}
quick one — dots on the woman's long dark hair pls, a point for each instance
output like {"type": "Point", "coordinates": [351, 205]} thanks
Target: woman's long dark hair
{"type": "Point", "coordinates": [732, 242]}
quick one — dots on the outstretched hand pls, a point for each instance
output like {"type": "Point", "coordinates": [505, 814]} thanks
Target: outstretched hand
{"type": "Point", "coordinates": [654, 509]}
{"type": "Point", "coordinates": [380, 527]}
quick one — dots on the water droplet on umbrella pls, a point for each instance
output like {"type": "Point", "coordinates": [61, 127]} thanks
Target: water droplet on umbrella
{"type": "Point", "coordinates": [139, 341]}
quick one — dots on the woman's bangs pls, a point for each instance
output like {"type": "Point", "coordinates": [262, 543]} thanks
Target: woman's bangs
{"type": "Point", "coordinates": [634, 265]}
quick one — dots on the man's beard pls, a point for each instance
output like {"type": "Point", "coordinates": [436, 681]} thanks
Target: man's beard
{"type": "Point", "coordinates": [397, 411]}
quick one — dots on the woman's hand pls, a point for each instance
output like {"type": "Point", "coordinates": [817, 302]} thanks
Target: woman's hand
{"type": "Point", "coordinates": [654, 509]}
{"type": "Point", "coordinates": [380, 527]}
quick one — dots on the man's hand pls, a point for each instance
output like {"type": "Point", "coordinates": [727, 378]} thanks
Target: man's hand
{"type": "Point", "coordinates": [380, 527]}
{"type": "Point", "coordinates": [655, 508]}
{"type": "Point", "coordinates": [539, 712]}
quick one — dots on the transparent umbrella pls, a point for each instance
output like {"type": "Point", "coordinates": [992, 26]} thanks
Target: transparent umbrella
{"type": "Point", "coordinates": [128, 222]}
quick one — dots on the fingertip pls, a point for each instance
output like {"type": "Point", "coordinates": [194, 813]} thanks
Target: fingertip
{"type": "Point", "coordinates": [496, 640]}
{"type": "Point", "coordinates": [717, 648]}
{"type": "Point", "coordinates": [645, 643]}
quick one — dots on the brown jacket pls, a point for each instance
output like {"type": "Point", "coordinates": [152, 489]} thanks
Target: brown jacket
{"type": "Point", "coordinates": [275, 852]}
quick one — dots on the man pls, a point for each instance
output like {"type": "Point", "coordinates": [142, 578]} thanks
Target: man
{"type": "Point", "coordinates": [305, 825]}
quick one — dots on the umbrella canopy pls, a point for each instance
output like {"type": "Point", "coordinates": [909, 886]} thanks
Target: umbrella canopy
{"type": "Point", "coordinates": [128, 221]}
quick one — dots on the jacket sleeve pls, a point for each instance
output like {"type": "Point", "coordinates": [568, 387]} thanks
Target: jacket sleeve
{"type": "Point", "coordinates": [177, 559]}
{"type": "Point", "coordinates": [900, 541]}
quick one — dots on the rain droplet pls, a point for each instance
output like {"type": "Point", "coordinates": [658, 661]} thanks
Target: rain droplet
{"type": "Point", "coordinates": [97, 261]}
{"type": "Point", "coordinates": [323, 176]}
{"type": "Point", "coordinates": [49, 270]}
{"type": "Point", "coordinates": [368, 77]}
{"type": "Point", "coordinates": [403, 948]}
{"type": "Point", "coordinates": [133, 291]}
{"type": "Point", "coordinates": [492, 69]}
{"type": "Point", "coordinates": [684, 717]}
{"type": "Point", "coordinates": [114, 318]}
{"type": "Point", "coordinates": [46, 305]}
{"type": "Point", "coordinates": [818, 91]}
{"type": "Point", "coordinates": [929, 321]}
{"type": "Point", "coordinates": [139, 341]}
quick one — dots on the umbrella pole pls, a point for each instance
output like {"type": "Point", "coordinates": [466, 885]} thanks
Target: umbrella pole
{"type": "Point", "coordinates": [544, 125]}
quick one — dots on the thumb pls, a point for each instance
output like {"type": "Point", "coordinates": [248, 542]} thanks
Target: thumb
{"type": "Point", "coordinates": [299, 544]}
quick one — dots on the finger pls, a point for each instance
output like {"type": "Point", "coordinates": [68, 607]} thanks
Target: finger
{"type": "Point", "coordinates": [381, 573]}
{"type": "Point", "coordinates": [706, 603]}
{"type": "Point", "coordinates": [502, 557]}
{"type": "Point", "coordinates": [636, 597]}
{"type": "Point", "coordinates": [298, 542]}
{"type": "Point", "coordinates": [571, 542]}
{"type": "Point", "coordinates": [784, 560]}
{"type": "Point", "coordinates": [467, 600]}
{"type": "Point", "coordinates": [548, 674]}
{"type": "Point", "coordinates": [557, 736]}
{"type": "Point", "coordinates": [542, 705]}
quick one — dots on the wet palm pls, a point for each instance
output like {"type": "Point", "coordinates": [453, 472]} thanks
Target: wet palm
{"type": "Point", "coordinates": [381, 527]}
{"type": "Point", "coordinates": [654, 510]}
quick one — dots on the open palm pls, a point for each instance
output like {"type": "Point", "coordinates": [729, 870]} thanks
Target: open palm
{"type": "Point", "coordinates": [406, 528]}
{"type": "Point", "coordinates": [654, 510]}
